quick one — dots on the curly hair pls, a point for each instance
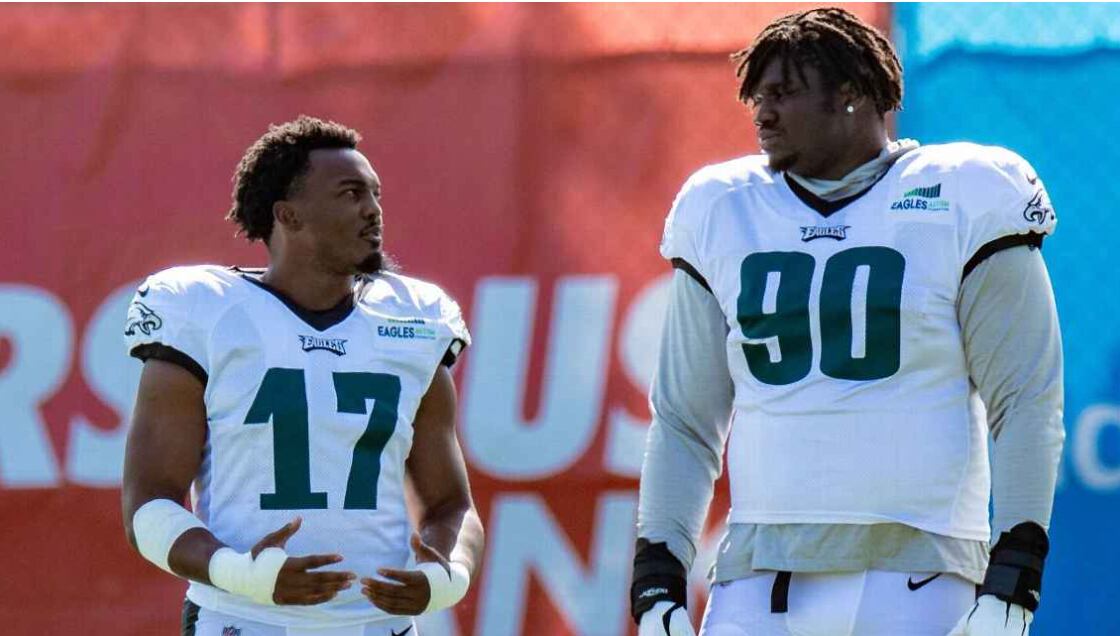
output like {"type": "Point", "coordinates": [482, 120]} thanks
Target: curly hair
{"type": "Point", "coordinates": [273, 167]}
{"type": "Point", "coordinates": [835, 42]}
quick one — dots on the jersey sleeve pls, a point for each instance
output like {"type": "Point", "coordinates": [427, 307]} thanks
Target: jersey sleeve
{"type": "Point", "coordinates": [1009, 205]}
{"type": "Point", "coordinates": [679, 239]}
{"type": "Point", "coordinates": [163, 323]}
{"type": "Point", "coordinates": [451, 320]}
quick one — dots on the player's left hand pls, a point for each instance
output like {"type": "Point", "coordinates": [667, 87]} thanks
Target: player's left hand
{"type": "Point", "coordinates": [991, 616]}
{"type": "Point", "coordinates": [411, 593]}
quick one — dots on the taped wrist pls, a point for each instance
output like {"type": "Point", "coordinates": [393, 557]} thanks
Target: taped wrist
{"type": "Point", "coordinates": [448, 585]}
{"type": "Point", "coordinates": [239, 573]}
{"type": "Point", "coordinates": [1015, 569]}
{"type": "Point", "coordinates": [157, 525]}
{"type": "Point", "coordinates": [658, 576]}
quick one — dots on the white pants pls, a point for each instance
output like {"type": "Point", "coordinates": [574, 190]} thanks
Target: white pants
{"type": "Point", "coordinates": [218, 624]}
{"type": "Point", "coordinates": [871, 603]}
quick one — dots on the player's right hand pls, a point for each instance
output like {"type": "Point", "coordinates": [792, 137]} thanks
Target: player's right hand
{"type": "Point", "coordinates": [666, 618]}
{"type": "Point", "coordinates": [296, 584]}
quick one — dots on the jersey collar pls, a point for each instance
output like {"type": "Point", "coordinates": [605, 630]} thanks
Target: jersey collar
{"type": "Point", "coordinates": [318, 320]}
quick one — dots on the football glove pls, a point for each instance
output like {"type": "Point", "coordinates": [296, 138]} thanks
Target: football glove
{"type": "Point", "coordinates": [991, 616]}
{"type": "Point", "coordinates": [1012, 585]}
{"type": "Point", "coordinates": [666, 618]}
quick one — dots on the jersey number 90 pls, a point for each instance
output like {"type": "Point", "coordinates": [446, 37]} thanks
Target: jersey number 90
{"type": "Point", "coordinates": [875, 356]}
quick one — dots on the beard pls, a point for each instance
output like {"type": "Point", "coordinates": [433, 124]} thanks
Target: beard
{"type": "Point", "coordinates": [782, 163]}
{"type": "Point", "coordinates": [378, 262]}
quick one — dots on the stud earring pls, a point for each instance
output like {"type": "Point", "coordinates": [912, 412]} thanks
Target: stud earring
{"type": "Point", "coordinates": [851, 109]}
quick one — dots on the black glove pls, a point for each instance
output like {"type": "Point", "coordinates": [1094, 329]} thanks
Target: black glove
{"type": "Point", "coordinates": [658, 576]}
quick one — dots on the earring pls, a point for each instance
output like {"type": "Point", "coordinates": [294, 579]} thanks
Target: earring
{"type": "Point", "coordinates": [851, 109]}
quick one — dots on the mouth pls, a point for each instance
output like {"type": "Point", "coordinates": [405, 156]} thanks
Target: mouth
{"type": "Point", "coordinates": [768, 138]}
{"type": "Point", "coordinates": [372, 235]}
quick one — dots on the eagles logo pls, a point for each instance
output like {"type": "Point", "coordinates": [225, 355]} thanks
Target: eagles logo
{"type": "Point", "coordinates": [142, 318]}
{"type": "Point", "coordinates": [1038, 209]}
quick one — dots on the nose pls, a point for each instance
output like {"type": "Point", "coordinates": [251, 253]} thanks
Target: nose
{"type": "Point", "coordinates": [764, 114]}
{"type": "Point", "coordinates": [372, 210]}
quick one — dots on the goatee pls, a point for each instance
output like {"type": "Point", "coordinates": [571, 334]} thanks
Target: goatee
{"type": "Point", "coordinates": [782, 163]}
{"type": "Point", "coordinates": [378, 262]}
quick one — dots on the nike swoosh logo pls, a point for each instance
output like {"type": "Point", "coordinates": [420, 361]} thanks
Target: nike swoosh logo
{"type": "Point", "coordinates": [917, 586]}
{"type": "Point", "coordinates": [394, 633]}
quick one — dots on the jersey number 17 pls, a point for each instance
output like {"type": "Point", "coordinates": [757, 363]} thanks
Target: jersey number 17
{"type": "Point", "coordinates": [282, 398]}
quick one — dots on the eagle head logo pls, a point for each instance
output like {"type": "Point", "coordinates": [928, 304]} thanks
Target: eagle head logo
{"type": "Point", "coordinates": [1038, 209]}
{"type": "Point", "coordinates": [141, 318]}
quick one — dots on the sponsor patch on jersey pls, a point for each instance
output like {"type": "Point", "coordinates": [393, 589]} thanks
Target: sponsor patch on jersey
{"type": "Point", "coordinates": [336, 346]}
{"type": "Point", "coordinates": [835, 232]}
{"type": "Point", "coordinates": [141, 318]}
{"type": "Point", "coordinates": [925, 199]}
{"type": "Point", "coordinates": [406, 329]}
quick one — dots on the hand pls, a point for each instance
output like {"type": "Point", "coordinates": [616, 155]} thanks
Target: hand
{"type": "Point", "coordinates": [991, 616]}
{"type": "Point", "coordinates": [653, 622]}
{"type": "Point", "coordinates": [296, 584]}
{"type": "Point", "coordinates": [411, 594]}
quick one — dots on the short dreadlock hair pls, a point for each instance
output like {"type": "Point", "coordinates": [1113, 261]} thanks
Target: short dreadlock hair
{"type": "Point", "coordinates": [273, 167]}
{"type": "Point", "coordinates": [835, 42]}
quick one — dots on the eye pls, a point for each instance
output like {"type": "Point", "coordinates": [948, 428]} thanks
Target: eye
{"type": "Point", "coordinates": [771, 96]}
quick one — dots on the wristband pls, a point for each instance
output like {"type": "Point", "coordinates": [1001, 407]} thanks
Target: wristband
{"type": "Point", "coordinates": [1015, 571]}
{"type": "Point", "coordinates": [156, 525]}
{"type": "Point", "coordinates": [239, 573]}
{"type": "Point", "coordinates": [447, 588]}
{"type": "Point", "coordinates": [658, 576]}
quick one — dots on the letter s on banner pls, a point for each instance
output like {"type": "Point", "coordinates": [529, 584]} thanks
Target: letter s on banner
{"type": "Point", "coordinates": [638, 345]}
{"type": "Point", "coordinates": [95, 457]}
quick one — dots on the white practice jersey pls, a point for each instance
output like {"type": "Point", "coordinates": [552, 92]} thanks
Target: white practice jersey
{"type": "Point", "coordinates": [853, 403]}
{"type": "Point", "coordinates": [308, 414]}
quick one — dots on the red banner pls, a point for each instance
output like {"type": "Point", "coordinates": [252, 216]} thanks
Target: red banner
{"type": "Point", "coordinates": [528, 155]}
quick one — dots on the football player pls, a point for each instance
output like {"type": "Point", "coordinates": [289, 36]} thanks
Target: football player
{"type": "Point", "coordinates": [842, 310]}
{"type": "Point", "coordinates": [294, 403]}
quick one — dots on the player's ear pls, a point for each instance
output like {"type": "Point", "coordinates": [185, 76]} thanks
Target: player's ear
{"type": "Point", "coordinates": [848, 95]}
{"type": "Point", "coordinates": [284, 214]}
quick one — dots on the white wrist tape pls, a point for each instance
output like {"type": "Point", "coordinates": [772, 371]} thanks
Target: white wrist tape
{"type": "Point", "coordinates": [156, 526]}
{"type": "Point", "coordinates": [446, 590]}
{"type": "Point", "coordinates": [239, 573]}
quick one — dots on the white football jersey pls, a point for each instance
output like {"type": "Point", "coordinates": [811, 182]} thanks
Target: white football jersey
{"type": "Point", "coordinates": [308, 414]}
{"type": "Point", "coordinates": [853, 403]}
